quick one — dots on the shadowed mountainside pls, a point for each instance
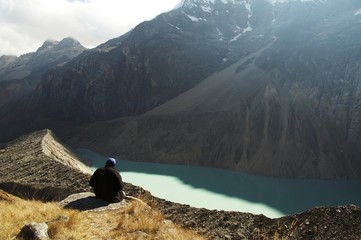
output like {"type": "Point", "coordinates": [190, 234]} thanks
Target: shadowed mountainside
{"type": "Point", "coordinates": [20, 75]}
{"type": "Point", "coordinates": [242, 118]}
{"type": "Point", "coordinates": [248, 85]}
{"type": "Point", "coordinates": [285, 103]}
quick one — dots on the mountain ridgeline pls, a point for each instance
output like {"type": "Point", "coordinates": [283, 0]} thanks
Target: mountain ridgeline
{"type": "Point", "coordinates": [263, 86]}
{"type": "Point", "coordinates": [20, 75]}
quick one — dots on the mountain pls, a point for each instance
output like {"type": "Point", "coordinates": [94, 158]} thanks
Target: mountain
{"type": "Point", "coordinates": [20, 75]}
{"type": "Point", "coordinates": [48, 55]}
{"type": "Point", "coordinates": [251, 85]}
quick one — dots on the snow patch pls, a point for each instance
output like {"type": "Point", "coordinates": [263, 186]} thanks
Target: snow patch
{"type": "Point", "coordinates": [176, 27]}
{"type": "Point", "coordinates": [220, 34]}
{"type": "Point", "coordinates": [231, 1]}
{"type": "Point", "coordinates": [273, 2]}
{"type": "Point", "coordinates": [195, 19]}
{"type": "Point", "coordinates": [206, 9]}
{"type": "Point", "coordinates": [235, 38]}
{"type": "Point", "coordinates": [206, 3]}
{"type": "Point", "coordinates": [250, 14]}
{"type": "Point", "coordinates": [247, 29]}
{"type": "Point", "coordinates": [358, 12]}
{"type": "Point", "coordinates": [238, 29]}
{"type": "Point", "coordinates": [179, 5]}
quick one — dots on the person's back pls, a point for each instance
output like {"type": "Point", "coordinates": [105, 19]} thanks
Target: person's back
{"type": "Point", "coordinates": [107, 182]}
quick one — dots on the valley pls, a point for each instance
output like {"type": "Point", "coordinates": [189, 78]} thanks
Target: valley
{"type": "Point", "coordinates": [247, 86]}
{"type": "Point", "coordinates": [233, 191]}
{"type": "Point", "coordinates": [235, 119]}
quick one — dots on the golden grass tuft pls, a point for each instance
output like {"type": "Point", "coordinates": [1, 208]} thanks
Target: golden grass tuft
{"type": "Point", "coordinates": [135, 221]}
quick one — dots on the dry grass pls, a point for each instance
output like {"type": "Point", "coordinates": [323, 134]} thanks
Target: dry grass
{"type": "Point", "coordinates": [136, 221]}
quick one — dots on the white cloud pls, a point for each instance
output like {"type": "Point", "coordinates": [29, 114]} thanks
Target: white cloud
{"type": "Point", "coordinates": [26, 24]}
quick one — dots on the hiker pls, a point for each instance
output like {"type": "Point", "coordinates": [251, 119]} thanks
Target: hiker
{"type": "Point", "coordinates": [107, 182]}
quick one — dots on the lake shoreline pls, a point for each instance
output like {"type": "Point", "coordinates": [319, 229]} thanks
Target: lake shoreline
{"type": "Point", "coordinates": [234, 191]}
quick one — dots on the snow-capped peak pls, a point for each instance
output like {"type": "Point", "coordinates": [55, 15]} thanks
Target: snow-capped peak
{"type": "Point", "coordinates": [195, 3]}
{"type": "Point", "coordinates": [273, 2]}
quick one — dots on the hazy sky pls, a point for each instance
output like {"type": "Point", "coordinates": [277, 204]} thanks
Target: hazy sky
{"type": "Point", "coordinates": [26, 24]}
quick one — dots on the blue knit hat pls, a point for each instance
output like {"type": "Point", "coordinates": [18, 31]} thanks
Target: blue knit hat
{"type": "Point", "coordinates": [112, 161]}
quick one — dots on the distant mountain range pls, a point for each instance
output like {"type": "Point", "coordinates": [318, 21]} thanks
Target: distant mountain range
{"type": "Point", "coordinates": [264, 86]}
{"type": "Point", "coordinates": [20, 75]}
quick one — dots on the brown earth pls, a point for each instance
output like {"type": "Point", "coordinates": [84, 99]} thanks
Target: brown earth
{"type": "Point", "coordinates": [39, 166]}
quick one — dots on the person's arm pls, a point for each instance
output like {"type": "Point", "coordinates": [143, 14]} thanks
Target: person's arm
{"type": "Point", "coordinates": [119, 182]}
{"type": "Point", "coordinates": [93, 179]}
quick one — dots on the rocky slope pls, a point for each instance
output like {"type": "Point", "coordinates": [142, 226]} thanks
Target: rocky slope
{"type": "Point", "coordinates": [246, 120]}
{"type": "Point", "coordinates": [40, 165]}
{"type": "Point", "coordinates": [339, 222]}
{"type": "Point", "coordinates": [289, 108]}
{"type": "Point", "coordinates": [247, 85]}
{"type": "Point", "coordinates": [39, 161]}
{"type": "Point", "coordinates": [20, 75]}
{"type": "Point", "coordinates": [48, 55]}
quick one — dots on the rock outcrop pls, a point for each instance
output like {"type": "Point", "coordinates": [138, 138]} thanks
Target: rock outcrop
{"type": "Point", "coordinates": [34, 231]}
{"type": "Point", "coordinates": [87, 201]}
{"type": "Point", "coordinates": [338, 222]}
{"type": "Point", "coordinates": [38, 165]}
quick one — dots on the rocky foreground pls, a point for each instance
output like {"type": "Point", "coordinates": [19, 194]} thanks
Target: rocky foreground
{"type": "Point", "coordinates": [39, 166]}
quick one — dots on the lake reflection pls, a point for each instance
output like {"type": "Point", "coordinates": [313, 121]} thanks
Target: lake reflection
{"type": "Point", "coordinates": [233, 191]}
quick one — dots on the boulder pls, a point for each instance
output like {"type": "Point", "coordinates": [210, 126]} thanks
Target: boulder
{"type": "Point", "coordinates": [87, 201]}
{"type": "Point", "coordinates": [34, 231]}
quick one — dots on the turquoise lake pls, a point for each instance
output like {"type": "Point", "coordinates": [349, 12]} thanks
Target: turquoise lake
{"type": "Point", "coordinates": [233, 191]}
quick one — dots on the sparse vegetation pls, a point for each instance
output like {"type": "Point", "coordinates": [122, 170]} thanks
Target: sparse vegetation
{"type": "Point", "coordinates": [131, 222]}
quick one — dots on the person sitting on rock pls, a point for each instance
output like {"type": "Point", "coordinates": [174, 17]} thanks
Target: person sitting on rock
{"type": "Point", "coordinates": [107, 182]}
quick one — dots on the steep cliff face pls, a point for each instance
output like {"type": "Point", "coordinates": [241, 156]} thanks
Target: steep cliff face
{"type": "Point", "coordinates": [153, 63]}
{"type": "Point", "coordinates": [20, 75]}
{"type": "Point", "coordinates": [250, 120]}
{"type": "Point", "coordinates": [162, 58]}
{"type": "Point", "coordinates": [288, 109]}
{"type": "Point", "coordinates": [48, 55]}
{"type": "Point", "coordinates": [269, 87]}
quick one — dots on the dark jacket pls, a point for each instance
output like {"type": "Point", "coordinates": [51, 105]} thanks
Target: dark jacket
{"type": "Point", "coordinates": [107, 184]}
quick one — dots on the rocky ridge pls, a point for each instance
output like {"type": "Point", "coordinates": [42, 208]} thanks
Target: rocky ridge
{"type": "Point", "coordinates": [50, 54]}
{"type": "Point", "coordinates": [39, 162]}
{"type": "Point", "coordinates": [24, 161]}
{"type": "Point", "coordinates": [39, 166]}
